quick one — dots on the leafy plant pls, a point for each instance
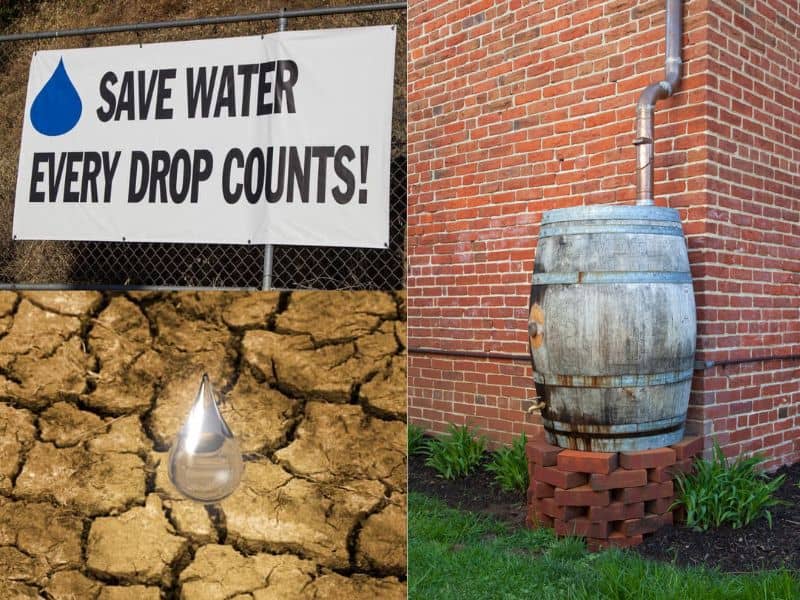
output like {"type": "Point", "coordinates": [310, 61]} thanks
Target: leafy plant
{"type": "Point", "coordinates": [510, 466]}
{"type": "Point", "coordinates": [457, 453]}
{"type": "Point", "coordinates": [719, 492]}
{"type": "Point", "coordinates": [416, 440]}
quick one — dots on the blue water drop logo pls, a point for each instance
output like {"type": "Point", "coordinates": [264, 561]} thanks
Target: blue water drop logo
{"type": "Point", "coordinates": [57, 108]}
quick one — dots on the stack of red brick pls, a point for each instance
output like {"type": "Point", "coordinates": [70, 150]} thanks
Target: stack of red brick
{"type": "Point", "coordinates": [610, 498]}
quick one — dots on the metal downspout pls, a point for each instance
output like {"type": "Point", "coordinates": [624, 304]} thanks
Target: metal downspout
{"type": "Point", "coordinates": [654, 92]}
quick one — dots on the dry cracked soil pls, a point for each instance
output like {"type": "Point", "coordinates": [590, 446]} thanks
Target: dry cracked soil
{"type": "Point", "coordinates": [93, 389]}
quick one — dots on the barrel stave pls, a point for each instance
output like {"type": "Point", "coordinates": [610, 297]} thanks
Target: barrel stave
{"type": "Point", "coordinates": [612, 327]}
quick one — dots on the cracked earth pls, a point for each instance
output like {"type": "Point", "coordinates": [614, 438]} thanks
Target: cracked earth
{"type": "Point", "coordinates": [94, 387]}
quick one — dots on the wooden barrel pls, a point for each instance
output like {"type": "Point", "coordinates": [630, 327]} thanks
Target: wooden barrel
{"type": "Point", "coordinates": [612, 327]}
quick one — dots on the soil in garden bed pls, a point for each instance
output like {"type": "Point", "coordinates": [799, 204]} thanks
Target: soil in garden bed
{"type": "Point", "coordinates": [476, 493]}
{"type": "Point", "coordinates": [752, 548]}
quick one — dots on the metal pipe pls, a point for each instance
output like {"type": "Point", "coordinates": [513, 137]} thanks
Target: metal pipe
{"type": "Point", "coordinates": [64, 287]}
{"type": "Point", "coordinates": [654, 92]}
{"type": "Point", "coordinates": [470, 354]}
{"type": "Point", "coordinates": [283, 21]}
{"type": "Point", "coordinates": [266, 280]}
{"type": "Point", "coordinates": [702, 365]}
{"type": "Point", "coordinates": [699, 365]}
{"type": "Point", "coordinates": [289, 14]}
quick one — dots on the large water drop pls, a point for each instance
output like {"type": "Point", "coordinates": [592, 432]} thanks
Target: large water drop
{"type": "Point", "coordinates": [57, 108]}
{"type": "Point", "coordinates": [205, 462]}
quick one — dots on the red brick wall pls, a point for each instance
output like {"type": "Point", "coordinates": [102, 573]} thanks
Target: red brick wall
{"type": "Point", "coordinates": [749, 256]}
{"type": "Point", "coordinates": [517, 107]}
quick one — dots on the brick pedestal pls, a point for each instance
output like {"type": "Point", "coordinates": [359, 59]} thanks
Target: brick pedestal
{"type": "Point", "coordinates": [610, 498]}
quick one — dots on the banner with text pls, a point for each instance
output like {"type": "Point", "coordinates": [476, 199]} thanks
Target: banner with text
{"type": "Point", "coordinates": [280, 139]}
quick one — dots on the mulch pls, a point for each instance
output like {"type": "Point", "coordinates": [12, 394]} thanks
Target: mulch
{"type": "Point", "coordinates": [475, 493]}
{"type": "Point", "coordinates": [752, 548]}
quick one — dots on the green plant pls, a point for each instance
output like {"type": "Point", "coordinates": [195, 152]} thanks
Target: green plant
{"type": "Point", "coordinates": [719, 492]}
{"type": "Point", "coordinates": [510, 466]}
{"type": "Point", "coordinates": [416, 440]}
{"type": "Point", "coordinates": [455, 454]}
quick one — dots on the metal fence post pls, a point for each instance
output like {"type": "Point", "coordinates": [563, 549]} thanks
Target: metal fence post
{"type": "Point", "coordinates": [282, 20]}
{"type": "Point", "coordinates": [266, 282]}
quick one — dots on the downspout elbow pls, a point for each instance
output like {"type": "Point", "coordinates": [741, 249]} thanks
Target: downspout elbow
{"type": "Point", "coordinates": [651, 94]}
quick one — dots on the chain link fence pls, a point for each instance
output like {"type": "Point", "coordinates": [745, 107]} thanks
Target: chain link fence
{"type": "Point", "coordinates": [161, 265]}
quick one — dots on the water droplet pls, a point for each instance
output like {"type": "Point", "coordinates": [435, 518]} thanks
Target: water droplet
{"type": "Point", "coordinates": [205, 462]}
{"type": "Point", "coordinates": [57, 107]}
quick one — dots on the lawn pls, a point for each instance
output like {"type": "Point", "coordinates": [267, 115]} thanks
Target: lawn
{"type": "Point", "coordinates": [461, 555]}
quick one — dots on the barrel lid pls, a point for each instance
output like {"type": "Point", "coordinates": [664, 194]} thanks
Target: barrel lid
{"type": "Point", "coordinates": [610, 211]}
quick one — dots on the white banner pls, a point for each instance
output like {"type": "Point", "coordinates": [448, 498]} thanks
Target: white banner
{"type": "Point", "coordinates": [281, 139]}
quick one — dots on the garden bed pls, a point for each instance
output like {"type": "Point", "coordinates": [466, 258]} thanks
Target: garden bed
{"type": "Point", "coordinates": [476, 492]}
{"type": "Point", "coordinates": [750, 548]}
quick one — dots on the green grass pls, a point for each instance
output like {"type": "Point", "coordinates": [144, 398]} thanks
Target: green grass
{"type": "Point", "coordinates": [462, 556]}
